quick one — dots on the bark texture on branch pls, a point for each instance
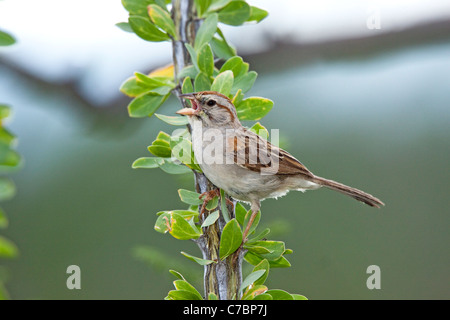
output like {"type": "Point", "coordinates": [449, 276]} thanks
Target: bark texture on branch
{"type": "Point", "coordinates": [224, 277]}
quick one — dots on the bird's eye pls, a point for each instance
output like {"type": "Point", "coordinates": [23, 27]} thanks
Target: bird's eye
{"type": "Point", "coordinates": [211, 103]}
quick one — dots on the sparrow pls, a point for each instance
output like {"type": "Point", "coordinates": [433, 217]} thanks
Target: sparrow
{"type": "Point", "coordinates": [242, 163]}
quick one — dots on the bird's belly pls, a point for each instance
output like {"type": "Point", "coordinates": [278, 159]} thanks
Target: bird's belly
{"type": "Point", "coordinates": [243, 184]}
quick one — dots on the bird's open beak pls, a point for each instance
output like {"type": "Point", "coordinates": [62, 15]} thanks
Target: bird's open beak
{"type": "Point", "coordinates": [195, 105]}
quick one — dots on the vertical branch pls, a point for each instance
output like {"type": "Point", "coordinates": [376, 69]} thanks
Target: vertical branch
{"type": "Point", "coordinates": [224, 277]}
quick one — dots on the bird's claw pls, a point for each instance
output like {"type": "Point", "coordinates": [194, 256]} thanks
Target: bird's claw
{"type": "Point", "coordinates": [207, 197]}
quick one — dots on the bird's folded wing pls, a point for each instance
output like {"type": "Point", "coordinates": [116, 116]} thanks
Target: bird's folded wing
{"type": "Point", "coordinates": [248, 150]}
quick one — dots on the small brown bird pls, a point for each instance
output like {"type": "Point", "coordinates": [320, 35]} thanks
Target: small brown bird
{"type": "Point", "coordinates": [243, 164]}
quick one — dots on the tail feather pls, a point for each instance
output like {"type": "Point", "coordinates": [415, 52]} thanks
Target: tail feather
{"type": "Point", "coordinates": [352, 192]}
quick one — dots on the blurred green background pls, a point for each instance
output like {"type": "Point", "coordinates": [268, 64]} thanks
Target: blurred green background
{"type": "Point", "coordinates": [370, 113]}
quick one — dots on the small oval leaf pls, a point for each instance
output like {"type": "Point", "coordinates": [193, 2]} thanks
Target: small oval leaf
{"type": "Point", "coordinates": [231, 239]}
{"type": "Point", "coordinates": [211, 219]}
{"type": "Point", "coordinates": [162, 19]}
{"type": "Point", "coordinates": [206, 31]}
{"type": "Point", "coordinates": [223, 82]}
{"type": "Point", "coordinates": [253, 108]}
{"type": "Point", "coordinates": [146, 30]}
{"type": "Point", "coordinates": [189, 197]}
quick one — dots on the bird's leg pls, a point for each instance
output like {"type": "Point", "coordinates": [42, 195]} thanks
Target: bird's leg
{"type": "Point", "coordinates": [230, 203]}
{"type": "Point", "coordinates": [206, 197]}
{"type": "Point", "coordinates": [255, 209]}
{"type": "Point", "coordinates": [255, 206]}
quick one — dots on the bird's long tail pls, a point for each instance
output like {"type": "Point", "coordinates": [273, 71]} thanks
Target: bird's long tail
{"type": "Point", "coordinates": [352, 192]}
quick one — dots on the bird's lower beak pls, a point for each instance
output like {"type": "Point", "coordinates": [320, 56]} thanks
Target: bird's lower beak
{"type": "Point", "coordinates": [195, 106]}
{"type": "Point", "coordinates": [187, 112]}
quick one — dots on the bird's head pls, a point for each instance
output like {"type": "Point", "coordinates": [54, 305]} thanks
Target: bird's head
{"type": "Point", "coordinates": [212, 108]}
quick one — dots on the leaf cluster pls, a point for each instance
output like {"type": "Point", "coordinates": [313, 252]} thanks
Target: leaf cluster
{"type": "Point", "coordinates": [263, 254]}
{"type": "Point", "coordinates": [10, 161]}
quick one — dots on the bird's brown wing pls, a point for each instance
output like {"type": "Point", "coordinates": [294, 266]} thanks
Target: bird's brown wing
{"type": "Point", "coordinates": [257, 154]}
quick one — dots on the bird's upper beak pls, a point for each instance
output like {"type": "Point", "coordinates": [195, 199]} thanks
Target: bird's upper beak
{"type": "Point", "coordinates": [195, 105]}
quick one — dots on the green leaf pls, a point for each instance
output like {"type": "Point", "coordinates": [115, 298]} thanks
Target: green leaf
{"type": "Point", "coordinates": [147, 163]}
{"type": "Point", "coordinates": [163, 3]}
{"type": "Point", "coordinates": [152, 82]}
{"type": "Point", "coordinates": [278, 294]}
{"type": "Point", "coordinates": [238, 97]}
{"type": "Point", "coordinates": [193, 54]}
{"type": "Point", "coordinates": [177, 274]}
{"type": "Point", "coordinates": [189, 197]}
{"type": "Point", "coordinates": [160, 151]}
{"type": "Point", "coordinates": [146, 30]}
{"type": "Point", "coordinates": [8, 158]}
{"type": "Point", "coordinates": [253, 292]}
{"type": "Point", "coordinates": [202, 6]}
{"type": "Point", "coordinates": [162, 19]}
{"type": "Point", "coordinates": [163, 143]}
{"type": "Point", "coordinates": [231, 239]}
{"type": "Point", "coordinates": [261, 235]}
{"type": "Point", "coordinates": [163, 136]}
{"type": "Point", "coordinates": [124, 26]}
{"type": "Point", "coordinates": [5, 111]}
{"type": "Point", "coordinates": [176, 225]}
{"type": "Point", "coordinates": [141, 83]}
{"type": "Point", "coordinates": [223, 82]}
{"type": "Point", "coordinates": [6, 39]}
{"type": "Point", "coordinates": [253, 108]}
{"type": "Point", "coordinates": [257, 14]}
{"type": "Point", "coordinates": [218, 4]}
{"type": "Point", "coordinates": [205, 60]}
{"type": "Point", "coordinates": [7, 189]}
{"type": "Point", "coordinates": [171, 167]}
{"type": "Point", "coordinates": [213, 203]}
{"type": "Point", "coordinates": [257, 249]}
{"type": "Point", "coordinates": [263, 296]}
{"type": "Point", "coordinates": [240, 212]}
{"type": "Point", "coordinates": [202, 82]}
{"type": "Point", "coordinates": [6, 137]}
{"type": "Point", "coordinates": [200, 261]}
{"type": "Point", "coordinates": [221, 49]}
{"type": "Point", "coordinates": [212, 296]}
{"type": "Point", "coordinates": [244, 82]}
{"type": "Point", "coordinates": [260, 130]}
{"type": "Point", "coordinates": [188, 71]}
{"type": "Point", "coordinates": [235, 64]}
{"type": "Point", "coordinates": [187, 214]}
{"type": "Point", "coordinates": [182, 150]}
{"type": "Point", "coordinates": [281, 262]}
{"type": "Point", "coordinates": [275, 248]}
{"type": "Point", "coordinates": [137, 7]}
{"type": "Point", "coordinates": [7, 248]}
{"type": "Point", "coordinates": [223, 206]}
{"type": "Point", "coordinates": [182, 295]}
{"type": "Point", "coordinates": [206, 31]}
{"type": "Point", "coordinates": [132, 88]}
{"type": "Point", "coordinates": [251, 278]}
{"type": "Point", "coordinates": [255, 259]}
{"type": "Point", "coordinates": [184, 285]}
{"type": "Point", "coordinates": [235, 13]}
{"type": "Point", "coordinates": [145, 105]}
{"type": "Point", "coordinates": [211, 219]}
{"type": "Point", "coordinates": [173, 120]}
{"type": "Point", "coordinates": [263, 265]}
{"type": "Point", "coordinates": [298, 296]}
{"type": "Point", "coordinates": [187, 87]}
{"type": "Point", "coordinates": [3, 219]}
